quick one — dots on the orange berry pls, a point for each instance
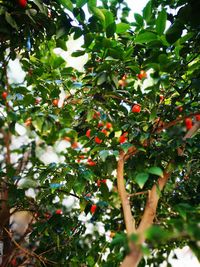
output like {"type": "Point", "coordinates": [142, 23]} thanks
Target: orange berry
{"type": "Point", "coordinates": [98, 183]}
{"type": "Point", "coordinates": [93, 208]}
{"type": "Point", "coordinates": [97, 140]}
{"type": "Point", "coordinates": [105, 132]}
{"type": "Point", "coordinates": [136, 108]}
{"type": "Point", "coordinates": [161, 98]}
{"type": "Point", "coordinates": [122, 83]}
{"type": "Point", "coordinates": [74, 145]}
{"type": "Point", "coordinates": [55, 102]}
{"type": "Point", "coordinates": [112, 234]}
{"type": "Point", "coordinates": [142, 75]}
{"type": "Point", "coordinates": [66, 138]}
{"type": "Point", "coordinates": [28, 122]}
{"type": "Point", "coordinates": [81, 156]}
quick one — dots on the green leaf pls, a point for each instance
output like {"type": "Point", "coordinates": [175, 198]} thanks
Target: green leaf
{"type": "Point", "coordinates": [147, 12]}
{"type": "Point", "coordinates": [11, 21]}
{"type": "Point", "coordinates": [145, 37]}
{"type": "Point", "coordinates": [67, 4]}
{"type": "Point", "coordinates": [122, 27]}
{"type": "Point", "coordinates": [139, 19]}
{"type": "Point", "coordinates": [97, 12]}
{"type": "Point", "coordinates": [141, 178]}
{"type": "Point", "coordinates": [161, 22]}
{"type": "Point", "coordinates": [174, 32]}
{"type": "Point", "coordinates": [80, 3]}
{"type": "Point", "coordinates": [78, 53]}
{"type": "Point", "coordinates": [103, 154]}
{"type": "Point", "coordinates": [156, 171]}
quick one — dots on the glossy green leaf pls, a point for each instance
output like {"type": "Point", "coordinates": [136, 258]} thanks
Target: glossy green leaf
{"type": "Point", "coordinates": [141, 179]}
{"type": "Point", "coordinates": [156, 171]}
{"type": "Point", "coordinates": [161, 22]}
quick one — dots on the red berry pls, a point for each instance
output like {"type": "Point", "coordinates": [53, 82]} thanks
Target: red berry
{"type": "Point", "coordinates": [23, 3]}
{"type": "Point", "coordinates": [188, 123]}
{"type": "Point", "coordinates": [13, 262]}
{"type": "Point", "coordinates": [93, 208]}
{"type": "Point", "coordinates": [180, 109]}
{"type": "Point", "coordinates": [91, 162]}
{"type": "Point", "coordinates": [100, 124]}
{"type": "Point", "coordinates": [81, 156]}
{"type": "Point", "coordinates": [103, 181]}
{"type": "Point", "coordinates": [55, 102]}
{"type": "Point", "coordinates": [88, 133]}
{"type": "Point", "coordinates": [47, 215]}
{"type": "Point", "coordinates": [142, 75]}
{"type": "Point", "coordinates": [97, 140]}
{"type": "Point", "coordinates": [98, 183]}
{"type": "Point", "coordinates": [136, 108]}
{"type": "Point", "coordinates": [4, 95]}
{"type": "Point", "coordinates": [108, 125]}
{"type": "Point", "coordinates": [125, 134]}
{"type": "Point", "coordinates": [122, 139]}
{"type": "Point", "coordinates": [161, 98]}
{"type": "Point", "coordinates": [59, 212]}
{"type": "Point", "coordinates": [96, 115]}
{"type": "Point", "coordinates": [197, 117]}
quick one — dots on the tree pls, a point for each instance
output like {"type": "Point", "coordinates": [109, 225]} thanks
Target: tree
{"type": "Point", "coordinates": [132, 118]}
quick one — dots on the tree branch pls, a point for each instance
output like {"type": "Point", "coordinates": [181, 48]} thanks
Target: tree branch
{"type": "Point", "coordinates": [128, 218]}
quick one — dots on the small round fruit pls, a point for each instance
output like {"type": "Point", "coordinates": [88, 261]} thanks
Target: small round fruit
{"type": "Point", "coordinates": [112, 234]}
{"type": "Point", "coordinates": [197, 117]}
{"type": "Point", "coordinates": [4, 95]}
{"type": "Point", "coordinates": [98, 183]}
{"type": "Point", "coordinates": [122, 139]}
{"type": "Point", "coordinates": [55, 102]}
{"type": "Point", "coordinates": [91, 162]}
{"type": "Point", "coordinates": [161, 98]}
{"type": "Point", "coordinates": [96, 115]}
{"type": "Point", "coordinates": [105, 132]}
{"type": "Point", "coordinates": [108, 125]}
{"type": "Point", "coordinates": [122, 83]}
{"type": "Point", "coordinates": [100, 124]}
{"type": "Point", "coordinates": [88, 133]}
{"type": "Point", "coordinates": [188, 123]}
{"type": "Point", "coordinates": [22, 3]}
{"type": "Point", "coordinates": [28, 122]}
{"type": "Point", "coordinates": [98, 140]}
{"type": "Point", "coordinates": [74, 145]}
{"type": "Point", "coordinates": [180, 109]}
{"type": "Point", "coordinates": [142, 75]}
{"type": "Point", "coordinates": [136, 108]}
{"type": "Point", "coordinates": [59, 212]}
{"type": "Point", "coordinates": [93, 208]}
{"type": "Point", "coordinates": [124, 77]}
{"type": "Point", "coordinates": [66, 138]}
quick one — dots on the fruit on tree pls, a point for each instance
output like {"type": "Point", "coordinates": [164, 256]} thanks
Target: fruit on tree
{"type": "Point", "coordinates": [161, 98]}
{"type": "Point", "coordinates": [22, 3]}
{"type": "Point", "coordinates": [188, 123]}
{"type": "Point", "coordinates": [59, 212]}
{"type": "Point", "coordinates": [4, 95]}
{"type": "Point", "coordinates": [136, 108]}
{"type": "Point", "coordinates": [98, 140]}
{"type": "Point", "coordinates": [74, 145]}
{"type": "Point", "coordinates": [142, 75]}
{"type": "Point", "coordinates": [100, 124]}
{"type": "Point", "coordinates": [88, 133]}
{"type": "Point", "coordinates": [91, 162]}
{"type": "Point", "coordinates": [28, 122]}
{"type": "Point", "coordinates": [66, 138]}
{"type": "Point", "coordinates": [122, 83]}
{"type": "Point", "coordinates": [197, 117]}
{"type": "Point", "coordinates": [105, 132]}
{"type": "Point", "coordinates": [122, 139]}
{"type": "Point", "coordinates": [180, 109]}
{"type": "Point", "coordinates": [108, 125]}
{"type": "Point", "coordinates": [55, 102]}
{"type": "Point", "coordinates": [93, 208]}
{"type": "Point", "coordinates": [96, 115]}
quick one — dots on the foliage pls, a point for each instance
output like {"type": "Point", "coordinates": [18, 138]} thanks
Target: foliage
{"type": "Point", "coordinates": [118, 50]}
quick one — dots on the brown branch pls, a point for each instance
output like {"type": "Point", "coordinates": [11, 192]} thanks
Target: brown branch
{"type": "Point", "coordinates": [138, 193]}
{"type": "Point", "coordinates": [152, 203]}
{"type": "Point", "coordinates": [192, 131]}
{"type": "Point", "coordinates": [128, 218]}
